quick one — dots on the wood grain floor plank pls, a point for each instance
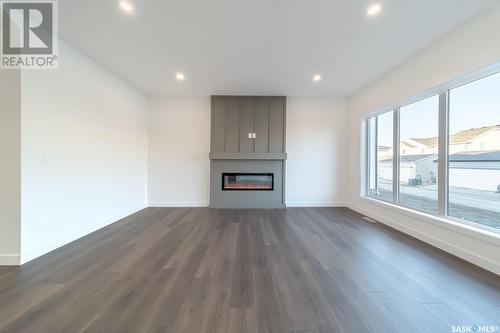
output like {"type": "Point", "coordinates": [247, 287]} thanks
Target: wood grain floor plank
{"type": "Point", "coordinates": [242, 292]}
{"type": "Point", "coordinates": [333, 299]}
{"type": "Point", "coordinates": [300, 270]}
{"type": "Point", "coordinates": [242, 321]}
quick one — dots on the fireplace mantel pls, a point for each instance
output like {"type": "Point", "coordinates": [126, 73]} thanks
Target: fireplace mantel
{"type": "Point", "coordinates": [247, 156]}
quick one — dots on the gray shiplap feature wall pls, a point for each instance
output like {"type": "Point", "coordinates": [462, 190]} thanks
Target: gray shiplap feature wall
{"type": "Point", "coordinates": [234, 117]}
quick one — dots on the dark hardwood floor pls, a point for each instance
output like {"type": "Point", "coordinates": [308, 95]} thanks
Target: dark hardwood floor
{"type": "Point", "coordinates": [203, 270]}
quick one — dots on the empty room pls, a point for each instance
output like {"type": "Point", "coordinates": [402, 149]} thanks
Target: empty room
{"type": "Point", "coordinates": [249, 166]}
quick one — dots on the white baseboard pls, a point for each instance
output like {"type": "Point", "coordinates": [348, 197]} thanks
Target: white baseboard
{"type": "Point", "coordinates": [466, 255]}
{"type": "Point", "coordinates": [10, 260]}
{"type": "Point", "coordinates": [206, 204]}
{"type": "Point", "coordinates": [52, 245]}
{"type": "Point", "coordinates": [315, 204]}
{"type": "Point", "coordinates": [179, 204]}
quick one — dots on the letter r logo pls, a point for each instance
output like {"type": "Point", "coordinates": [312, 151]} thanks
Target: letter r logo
{"type": "Point", "coordinates": [27, 27]}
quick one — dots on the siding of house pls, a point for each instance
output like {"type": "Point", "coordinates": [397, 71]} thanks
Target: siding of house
{"type": "Point", "coordinates": [489, 141]}
{"type": "Point", "coordinates": [425, 168]}
{"type": "Point", "coordinates": [479, 179]}
{"type": "Point", "coordinates": [385, 170]}
{"type": "Point", "coordinates": [412, 147]}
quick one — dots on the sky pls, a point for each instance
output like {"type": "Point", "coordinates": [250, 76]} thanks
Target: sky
{"type": "Point", "coordinates": [473, 105]}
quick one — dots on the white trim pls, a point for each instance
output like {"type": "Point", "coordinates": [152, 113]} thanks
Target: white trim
{"type": "Point", "coordinates": [473, 258]}
{"type": "Point", "coordinates": [396, 150]}
{"type": "Point", "coordinates": [206, 204]}
{"type": "Point", "coordinates": [443, 154]}
{"type": "Point", "coordinates": [10, 260]}
{"type": "Point", "coordinates": [165, 204]}
{"type": "Point", "coordinates": [52, 245]}
{"type": "Point", "coordinates": [315, 204]}
{"type": "Point", "coordinates": [442, 222]}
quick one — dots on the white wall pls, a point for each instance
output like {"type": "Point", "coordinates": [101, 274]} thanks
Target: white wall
{"type": "Point", "coordinates": [469, 48]}
{"type": "Point", "coordinates": [179, 143]}
{"type": "Point", "coordinates": [84, 144]}
{"type": "Point", "coordinates": [10, 167]}
{"type": "Point", "coordinates": [316, 148]}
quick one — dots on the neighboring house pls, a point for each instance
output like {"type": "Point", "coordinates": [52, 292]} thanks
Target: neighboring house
{"type": "Point", "coordinates": [384, 152]}
{"type": "Point", "coordinates": [384, 169]}
{"type": "Point", "coordinates": [412, 166]}
{"type": "Point", "coordinates": [474, 159]}
{"type": "Point", "coordinates": [419, 146]}
{"type": "Point", "coordinates": [475, 170]}
{"type": "Point", "coordinates": [476, 139]}
{"type": "Point", "coordinates": [418, 166]}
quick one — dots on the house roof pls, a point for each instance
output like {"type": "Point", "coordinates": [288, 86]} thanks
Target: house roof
{"type": "Point", "coordinates": [408, 144]}
{"type": "Point", "coordinates": [411, 158]}
{"type": "Point", "coordinates": [415, 158]}
{"type": "Point", "coordinates": [426, 141]}
{"type": "Point", "coordinates": [468, 135]}
{"type": "Point", "coordinates": [459, 137]}
{"type": "Point", "coordinates": [491, 156]}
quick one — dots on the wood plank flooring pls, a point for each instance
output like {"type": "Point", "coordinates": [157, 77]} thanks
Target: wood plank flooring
{"type": "Point", "coordinates": [284, 270]}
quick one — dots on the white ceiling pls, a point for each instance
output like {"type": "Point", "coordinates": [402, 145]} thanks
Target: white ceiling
{"type": "Point", "coordinates": [257, 46]}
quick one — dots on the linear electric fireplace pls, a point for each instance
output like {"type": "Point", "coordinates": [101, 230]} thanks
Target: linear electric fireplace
{"type": "Point", "coordinates": [247, 181]}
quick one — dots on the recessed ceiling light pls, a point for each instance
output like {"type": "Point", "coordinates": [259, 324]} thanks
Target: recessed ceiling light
{"type": "Point", "coordinates": [317, 78]}
{"type": "Point", "coordinates": [180, 76]}
{"type": "Point", "coordinates": [126, 6]}
{"type": "Point", "coordinates": [374, 9]}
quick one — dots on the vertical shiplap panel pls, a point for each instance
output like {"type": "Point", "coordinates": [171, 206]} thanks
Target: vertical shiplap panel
{"type": "Point", "coordinates": [277, 125]}
{"type": "Point", "coordinates": [218, 124]}
{"type": "Point", "coordinates": [262, 125]}
{"type": "Point", "coordinates": [247, 125]}
{"type": "Point", "coordinates": [232, 128]}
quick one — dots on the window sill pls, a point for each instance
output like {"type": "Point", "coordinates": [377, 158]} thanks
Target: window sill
{"type": "Point", "coordinates": [463, 227]}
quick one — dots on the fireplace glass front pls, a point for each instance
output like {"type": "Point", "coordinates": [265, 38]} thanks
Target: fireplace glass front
{"type": "Point", "coordinates": [247, 181]}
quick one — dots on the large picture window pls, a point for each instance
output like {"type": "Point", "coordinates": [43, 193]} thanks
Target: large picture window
{"type": "Point", "coordinates": [418, 155]}
{"type": "Point", "coordinates": [448, 154]}
{"type": "Point", "coordinates": [474, 152]}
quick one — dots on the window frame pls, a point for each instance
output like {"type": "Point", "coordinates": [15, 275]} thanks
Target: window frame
{"type": "Point", "coordinates": [443, 92]}
{"type": "Point", "coordinates": [367, 129]}
{"type": "Point", "coordinates": [397, 158]}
